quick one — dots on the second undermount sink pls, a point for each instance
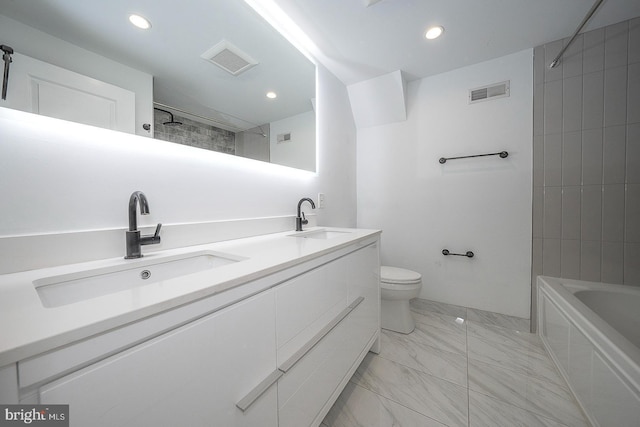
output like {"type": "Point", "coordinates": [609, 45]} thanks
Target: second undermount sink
{"type": "Point", "coordinates": [56, 291]}
{"type": "Point", "coordinates": [320, 234]}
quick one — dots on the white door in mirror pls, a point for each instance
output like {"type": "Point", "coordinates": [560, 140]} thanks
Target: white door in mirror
{"type": "Point", "coordinates": [39, 87]}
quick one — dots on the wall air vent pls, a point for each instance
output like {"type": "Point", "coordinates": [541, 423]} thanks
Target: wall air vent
{"type": "Point", "coordinates": [229, 57]}
{"type": "Point", "coordinates": [485, 93]}
{"type": "Point", "coordinates": [283, 137]}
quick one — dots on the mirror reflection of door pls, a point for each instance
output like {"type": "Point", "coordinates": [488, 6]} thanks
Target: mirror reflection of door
{"type": "Point", "coordinates": [39, 87]}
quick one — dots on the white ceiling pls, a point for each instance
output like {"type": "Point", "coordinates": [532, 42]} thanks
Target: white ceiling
{"type": "Point", "coordinates": [362, 39]}
{"type": "Point", "coordinates": [356, 40]}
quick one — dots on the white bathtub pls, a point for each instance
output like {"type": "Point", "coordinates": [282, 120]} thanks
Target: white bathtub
{"type": "Point", "coordinates": [592, 332]}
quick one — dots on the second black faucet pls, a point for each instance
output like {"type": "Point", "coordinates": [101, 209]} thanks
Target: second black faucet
{"type": "Point", "coordinates": [133, 239]}
{"type": "Point", "coordinates": [300, 219]}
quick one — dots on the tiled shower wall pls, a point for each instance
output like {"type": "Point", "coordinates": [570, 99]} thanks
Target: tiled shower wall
{"type": "Point", "coordinates": [586, 149]}
{"type": "Point", "coordinates": [193, 133]}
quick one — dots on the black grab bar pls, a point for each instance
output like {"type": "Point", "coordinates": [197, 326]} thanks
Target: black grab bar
{"type": "Point", "coordinates": [502, 155]}
{"type": "Point", "coordinates": [468, 254]}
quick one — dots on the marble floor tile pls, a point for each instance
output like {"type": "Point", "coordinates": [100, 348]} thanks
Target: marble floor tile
{"type": "Point", "coordinates": [453, 341]}
{"type": "Point", "coordinates": [485, 411]}
{"type": "Point", "coordinates": [496, 319]}
{"type": "Point", "coordinates": [485, 371]}
{"type": "Point", "coordinates": [358, 407]}
{"type": "Point", "coordinates": [423, 305]}
{"type": "Point", "coordinates": [526, 392]}
{"type": "Point", "coordinates": [442, 321]}
{"type": "Point", "coordinates": [439, 399]}
{"type": "Point", "coordinates": [525, 361]}
{"type": "Point", "coordinates": [509, 337]}
{"type": "Point", "coordinates": [411, 352]}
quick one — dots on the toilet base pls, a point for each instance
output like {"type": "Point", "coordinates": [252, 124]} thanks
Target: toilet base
{"type": "Point", "coordinates": [395, 315]}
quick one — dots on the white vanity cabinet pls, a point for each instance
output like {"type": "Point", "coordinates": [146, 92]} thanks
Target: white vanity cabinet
{"type": "Point", "coordinates": [327, 320]}
{"type": "Point", "coordinates": [9, 384]}
{"type": "Point", "coordinates": [273, 351]}
{"type": "Point", "coordinates": [192, 376]}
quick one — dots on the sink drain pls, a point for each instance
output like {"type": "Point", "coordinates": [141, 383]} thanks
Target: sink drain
{"type": "Point", "coordinates": [145, 274]}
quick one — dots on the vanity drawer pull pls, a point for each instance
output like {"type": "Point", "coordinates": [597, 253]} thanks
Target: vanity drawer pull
{"type": "Point", "coordinates": [290, 362]}
{"type": "Point", "coordinates": [356, 302]}
{"type": "Point", "coordinates": [257, 391]}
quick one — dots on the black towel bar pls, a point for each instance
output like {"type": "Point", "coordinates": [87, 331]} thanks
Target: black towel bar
{"type": "Point", "coordinates": [469, 254]}
{"type": "Point", "coordinates": [502, 155]}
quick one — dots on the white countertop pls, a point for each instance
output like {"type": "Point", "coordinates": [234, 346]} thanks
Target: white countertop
{"type": "Point", "coordinates": [29, 328]}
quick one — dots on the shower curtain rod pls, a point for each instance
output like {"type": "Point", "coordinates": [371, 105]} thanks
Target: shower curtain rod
{"type": "Point", "coordinates": [588, 16]}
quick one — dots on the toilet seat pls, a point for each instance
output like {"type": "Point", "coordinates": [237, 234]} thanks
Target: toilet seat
{"type": "Point", "coordinates": [398, 276]}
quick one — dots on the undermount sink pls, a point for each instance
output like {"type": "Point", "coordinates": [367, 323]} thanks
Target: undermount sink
{"type": "Point", "coordinates": [56, 291]}
{"type": "Point", "coordinates": [320, 234]}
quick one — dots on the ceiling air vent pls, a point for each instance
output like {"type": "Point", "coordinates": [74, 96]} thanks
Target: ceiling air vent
{"type": "Point", "coordinates": [485, 93]}
{"type": "Point", "coordinates": [229, 57]}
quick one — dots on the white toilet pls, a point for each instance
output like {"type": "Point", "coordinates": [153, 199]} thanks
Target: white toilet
{"type": "Point", "coordinates": [397, 287]}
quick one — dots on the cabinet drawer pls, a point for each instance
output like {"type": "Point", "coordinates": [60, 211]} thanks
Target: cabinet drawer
{"type": "Point", "coordinates": [306, 387]}
{"type": "Point", "coordinates": [305, 305]}
{"type": "Point", "coordinates": [190, 376]}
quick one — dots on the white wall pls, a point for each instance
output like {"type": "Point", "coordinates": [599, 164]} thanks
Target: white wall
{"type": "Point", "coordinates": [300, 151]}
{"type": "Point", "coordinates": [65, 177]}
{"type": "Point", "coordinates": [482, 205]}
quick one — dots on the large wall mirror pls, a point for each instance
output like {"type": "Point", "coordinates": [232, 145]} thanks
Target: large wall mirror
{"type": "Point", "coordinates": [220, 77]}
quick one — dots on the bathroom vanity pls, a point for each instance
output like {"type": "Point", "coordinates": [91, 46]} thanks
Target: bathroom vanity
{"type": "Point", "coordinates": [269, 337]}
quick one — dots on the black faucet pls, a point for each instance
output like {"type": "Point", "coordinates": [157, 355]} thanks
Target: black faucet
{"type": "Point", "coordinates": [133, 239]}
{"type": "Point", "coordinates": [300, 219]}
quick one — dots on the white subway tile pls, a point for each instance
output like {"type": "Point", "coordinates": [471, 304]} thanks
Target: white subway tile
{"type": "Point", "coordinates": [633, 154]}
{"type": "Point", "coordinates": [593, 53]}
{"type": "Point", "coordinates": [551, 257]}
{"type": "Point", "coordinates": [632, 213]}
{"type": "Point", "coordinates": [613, 155]}
{"type": "Point", "coordinates": [613, 213]}
{"type": "Point", "coordinates": [615, 44]}
{"type": "Point", "coordinates": [591, 218]}
{"type": "Point", "coordinates": [634, 41]}
{"type": "Point", "coordinates": [615, 96]}
{"type": "Point", "coordinates": [633, 93]}
{"type": "Point", "coordinates": [553, 107]}
{"type": "Point", "coordinates": [538, 211]}
{"type": "Point", "coordinates": [590, 259]}
{"type": "Point", "coordinates": [572, 104]}
{"type": "Point", "coordinates": [571, 158]}
{"type": "Point", "coordinates": [631, 264]}
{"type": "Point", "coordinates": [570, 259]}
{"type": "Point", "coordinates": [572, 58]}
{"type": "Point", "coordinates": [571, 212]}
{"type": "Point", "coordinates": [552, 222]}
{"type": "Point", "coordinates": [592, 156]}
{"type": "Point", "coordinates": [553, 160]}
{"type": "Point", "coordinates": [612, 262]}
{"type": "Point", "coordinates": [593, 100]}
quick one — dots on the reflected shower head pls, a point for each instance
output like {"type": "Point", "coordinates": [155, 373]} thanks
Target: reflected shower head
{"type": "Point", "coordinates": [171, 121]}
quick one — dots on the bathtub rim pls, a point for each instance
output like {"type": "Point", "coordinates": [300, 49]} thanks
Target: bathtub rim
{"type": "Point", "coordinates": [619, 351]}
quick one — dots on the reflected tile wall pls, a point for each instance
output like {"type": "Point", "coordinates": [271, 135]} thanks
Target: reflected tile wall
{"type": "Point", "coordinates": [195, 134]}
{"type": "Point", "coordinates": [586, 203]}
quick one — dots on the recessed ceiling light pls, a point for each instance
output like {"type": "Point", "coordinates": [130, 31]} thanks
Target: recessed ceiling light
{"type": "Point", "coordinates": [140, 21]}
{"type": "Point", "coordinates": [434, 32]}
{"type": "Point", "coordinates": [272, 95]}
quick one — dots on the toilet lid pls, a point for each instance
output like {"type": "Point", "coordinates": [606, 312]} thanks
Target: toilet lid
{"type": "Point", "coordinates": [398, 275]}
